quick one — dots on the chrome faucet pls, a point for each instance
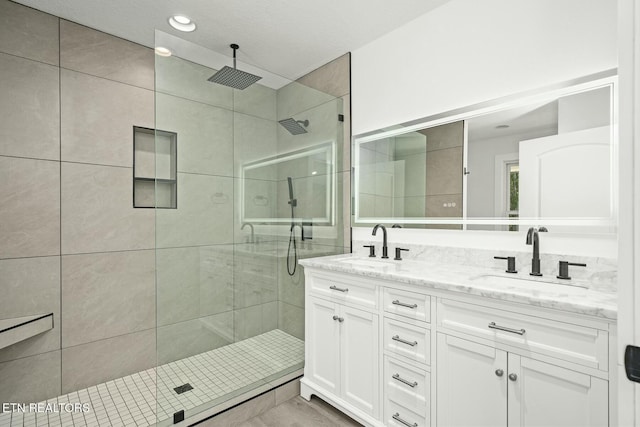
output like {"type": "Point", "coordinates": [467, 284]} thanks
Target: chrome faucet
{"type": "Point", "coordinates": [252, 233]}
{"type": "Point", "coordinates": [385, 249]}
{"type": "Point", "coordinates": [533, 239]}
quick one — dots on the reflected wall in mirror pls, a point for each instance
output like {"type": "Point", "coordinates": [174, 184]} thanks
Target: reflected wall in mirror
{"type": "Point", "coordinates": [265, 189]}
{"type": "Point", "coordinates": [545, 158]}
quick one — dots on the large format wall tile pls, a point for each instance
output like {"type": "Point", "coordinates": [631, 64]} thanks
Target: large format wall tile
{"type": "Point", "coordinates": [444, 171]}
{"type": "Point", "coordinates": [192, 337]}
{"type": "Point", "coordinates": [205, 134]}
{"type": "Point", "coordinates": [253, 139]}
{"type": "Point", "coordinates": [31, 286]}
{"type": "Point", "coordinates": [295, 98]}
{"type": "Point", "coordinates": [107, 294]}
{"type": "Point", "coordinates": [30, 208]}
{"type": "Point", "coordinates": [98, 116]}
{"type": "Point", "coordinates": [99, 361]}
{"type": "Point", "coordinates": [29, 108]}
{"type": "Point", "coordinates": [103, 55]}
{"type": "Point", "coordinates": [204, 214]}
{"type": "Point", "coordinates": [291, 319]}
{"type": "Point", "coordinates": [28, 33]}
{"type": "Point", "coordinates": [255, 320]}
{"type": "Point", "coordinates": [256, 100]}
{"type": "Point", "coordinates": [98, 213]}
{"type": "Point", "coordinates": [193, 282]}
{"type": "Point", "coordinates": [186, 79]}
{"type": "Point", "coordinates": [31, 379]}
{"type": "Point", "coordinates": [332, 78]}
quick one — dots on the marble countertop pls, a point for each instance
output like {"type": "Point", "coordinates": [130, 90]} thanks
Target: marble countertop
{"type": "Point", "coordinates": [547, 291]}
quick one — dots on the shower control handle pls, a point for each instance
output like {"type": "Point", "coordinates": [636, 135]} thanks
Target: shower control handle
{"type": "Point", "coordinates": [372, 250]}
{"type": "Point", "coordinates": [335, 288]}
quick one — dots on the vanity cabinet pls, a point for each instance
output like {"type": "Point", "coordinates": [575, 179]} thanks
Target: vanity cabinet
{"type": "Point", "coordinates": [483, 386]}
{"type": "Point", "coordinates": [343, 354]}
{"type": "Point", "coordinates": [397, 354]}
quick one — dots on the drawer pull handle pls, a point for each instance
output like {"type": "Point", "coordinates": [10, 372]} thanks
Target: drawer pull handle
{"type": "Point", "coordinates": [402, 380]}
{"type": "Point", "coordinates": [404, 304]}
{"type": "Point", "coordinates": [335, 288]}
{"type": "Point", "coordinates": [396, 417]}
{"type": "Point", "coordinates": [339, 319]}
{"type": "Point", "coordinates": [411, 343]}
{"type": "Point", "coordinates": [493, 325]}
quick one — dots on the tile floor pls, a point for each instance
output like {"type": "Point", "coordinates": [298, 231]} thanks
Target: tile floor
{"type": "Point", "coordinates": [215, 376]}
{"type": "Point", "coordinates": [297, 412]}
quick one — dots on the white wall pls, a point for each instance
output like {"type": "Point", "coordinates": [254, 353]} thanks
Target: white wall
{"type": "Point", "coordinates": [469, 51]}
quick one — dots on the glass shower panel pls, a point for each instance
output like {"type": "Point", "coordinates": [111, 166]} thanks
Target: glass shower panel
{"type": "Point", "coordinates": [228, 324]}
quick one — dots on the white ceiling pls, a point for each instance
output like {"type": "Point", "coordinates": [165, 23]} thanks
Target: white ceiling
{"type": "Point", "coordinates": [285, 37]}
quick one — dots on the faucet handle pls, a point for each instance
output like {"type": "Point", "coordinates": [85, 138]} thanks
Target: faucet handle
{"type": "Point", "coordinates": [511, 263]}
{"type": "Point", "coordinates": [563, 269]}
{"type": "Point", "coordinates": [398, 253]}
{"type": "Point", "coordinates": [372, 250]}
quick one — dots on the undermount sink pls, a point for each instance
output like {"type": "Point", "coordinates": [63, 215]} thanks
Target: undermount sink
{"type": "Point", "coordinates": [365, 262]}
{"type": "Point", "coordinates": [528, 283]}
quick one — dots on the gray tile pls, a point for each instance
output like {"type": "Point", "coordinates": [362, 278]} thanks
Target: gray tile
{"type": "Point", "coordinates": [98, 213]}
{"type": "Point", "coordinates": [247, 322]}
{"type": "Point", "coordinates": [193, 282]}
{"type": "Point", "coordinates": [205, 134]}
{"type": "Point", "coordinates": [256, 100]}
{"type": "Point", "coordinates": [177, 76]}
{"type": "Point", "coordinates": [444, 171]}
{"type": "Point", "coordinates": [291, 319]}
{"type": "Point", "coordinates": [30, 208]}
{"type": "Point", "coordinates": [31, 286]}
{"type": "Point", "coordinates": [287, 391]}
{"type": "Point", "coordinates": [29, 108]}
{"type": "Point", "coordinates": [444, 136]}
{"type": "Point", "coordinates": [332, 78]}
{"type": "Point", "coordinates": [203, 216]}
{"type": "Point", "coordinates": [253, 139]}
{"type": "Point", "coordinates": [106, 295]}
{"type": "Point", "coordinates": [236, 416]}
{"type": "Point", "coordinates": [28, 33]}
{"type": "Point", "coordinates": [98, 116]}
{"type": "Point", "coordinates": [184, 339]}
{"type": "Point", "coordinates": [100, 54]}
{"type": "Point", "coordinates": [31, 379]}
{"type": "Point", "coordinates": [296, 98]}
{"type": "Point", "coordinates": [99, 361]}
{"type": "Point", "coordinates": [442, 206]}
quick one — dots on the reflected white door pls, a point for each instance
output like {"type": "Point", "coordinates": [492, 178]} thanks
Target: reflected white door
{"type": "Point", "coordinates": [566, 175]}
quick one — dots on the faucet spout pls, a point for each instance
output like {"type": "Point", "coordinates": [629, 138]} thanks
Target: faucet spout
{"type": "Point", "coordinates": [385, 249]}
{"type": "Point", "coordinates": [534, 239]}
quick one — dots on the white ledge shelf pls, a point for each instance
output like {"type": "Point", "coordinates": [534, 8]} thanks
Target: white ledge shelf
{"type": "Point", "coordinates": [22, 328]}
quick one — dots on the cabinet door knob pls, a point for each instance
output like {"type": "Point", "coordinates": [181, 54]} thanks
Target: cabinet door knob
{"type": "Point", "coordinates": [513, 377]}
{"type": "Point", "coordinates": [499, 372]}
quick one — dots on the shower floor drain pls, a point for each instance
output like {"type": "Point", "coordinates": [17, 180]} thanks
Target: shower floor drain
{"type": "Point", "coordinates": [182, 388]}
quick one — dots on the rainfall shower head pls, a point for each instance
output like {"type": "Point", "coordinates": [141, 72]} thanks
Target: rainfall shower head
{"type": "Point", "coordinates": [293, 125]}
{"type": "Point", "coordinates": [233, 77]}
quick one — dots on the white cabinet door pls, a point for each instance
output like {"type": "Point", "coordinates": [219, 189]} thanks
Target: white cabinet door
{"type": "Point", "coordinates": [541, 394]}
{"type": "Point", "coordinates": [359, 359]}
{"type": "Point", "coordinates": [471, 384]}
{"type": "Point", "coordinates": [323, 343]}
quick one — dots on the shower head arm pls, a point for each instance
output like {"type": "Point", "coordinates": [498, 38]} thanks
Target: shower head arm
{"type": "Point", "coordinates": [235, 47]}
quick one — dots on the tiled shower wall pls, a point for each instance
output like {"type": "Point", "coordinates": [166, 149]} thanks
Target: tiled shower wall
{"type": "Point", "coordinates": [71, 243]}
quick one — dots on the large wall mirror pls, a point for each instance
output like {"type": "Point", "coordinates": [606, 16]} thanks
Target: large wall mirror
{"type": "Point", "coordinates": [543, 158]}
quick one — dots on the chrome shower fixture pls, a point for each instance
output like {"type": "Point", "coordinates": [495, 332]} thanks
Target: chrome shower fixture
{"type": "Point", "coordinates": [294, 126]}
{"type": "Point", "coordinates": [233, 77]}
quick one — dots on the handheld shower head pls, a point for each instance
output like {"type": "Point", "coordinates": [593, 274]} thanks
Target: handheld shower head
{"type": "Point", "coordinates": [293, 202]}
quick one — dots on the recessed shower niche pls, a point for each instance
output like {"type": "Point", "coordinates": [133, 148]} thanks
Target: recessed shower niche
{"type": "Point", "coordinates": [154, 168]}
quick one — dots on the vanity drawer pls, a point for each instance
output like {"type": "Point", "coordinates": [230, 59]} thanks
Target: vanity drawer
{"type": "Point", "coordinates": [579, 344]}
{"type": "Point", "coordinates": [408, 304]}
{"type": "Point", "coordinates": [407, 385]}
{"type": "Point", "coordinates": [397, 415]}
{"type": "Point", "coordinates": [410, 341]}
{"type": "Point", "coordinates": [344, 289]}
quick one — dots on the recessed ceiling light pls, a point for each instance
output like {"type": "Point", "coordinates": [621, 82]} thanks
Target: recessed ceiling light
{"type": "Point", "coordinates": [182, 23]}
{"type": "Point", "coordinates": [162, 51]}
{"type": "Point", "coordinates": [502, 126]}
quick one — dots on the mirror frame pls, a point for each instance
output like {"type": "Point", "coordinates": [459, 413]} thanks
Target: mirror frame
{"type": "Point", "coordinates": [330, 214]}
{"type": "Point", "coordinates": [548, 93]}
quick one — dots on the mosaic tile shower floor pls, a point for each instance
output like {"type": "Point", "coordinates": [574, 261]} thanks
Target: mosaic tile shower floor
{"type": "Point", "coordinates": [148, 398]}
